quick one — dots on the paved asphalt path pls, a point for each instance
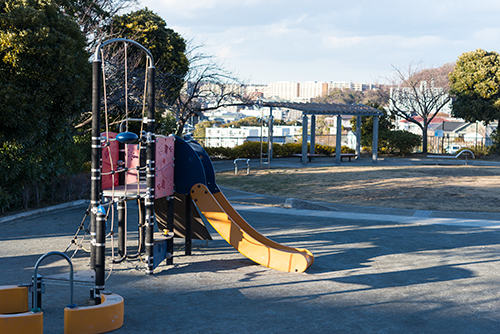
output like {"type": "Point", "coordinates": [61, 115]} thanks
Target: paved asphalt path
{"type": "Point", "coordinates": [376, 270]}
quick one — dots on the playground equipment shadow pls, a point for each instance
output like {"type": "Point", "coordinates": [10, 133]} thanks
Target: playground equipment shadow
{"type": "Point", "coordinates": [375, 271]}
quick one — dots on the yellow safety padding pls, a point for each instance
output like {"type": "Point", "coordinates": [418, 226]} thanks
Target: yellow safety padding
{"type": "Point", "coordinates": [14, 315]}
{"type": "Point", "coordinates": [239, 234]}
{"type": "Point", "coordinates": [102, 318]}
{"type": "Point", "coordinates": [13, 299]}
{"type": "Point", "coordinates": [21, 323]}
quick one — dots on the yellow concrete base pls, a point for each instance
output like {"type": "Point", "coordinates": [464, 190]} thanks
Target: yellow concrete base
{"type": "Point", "coordinates": [13, 299]}
{"type": "Point", "coordinates": [14, 315]}
{"type": "Point", "coordinates": [102, 318]}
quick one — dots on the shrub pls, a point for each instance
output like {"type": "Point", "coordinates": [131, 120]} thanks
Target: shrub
{"type": "Point", "coordinates": [287, 149]}
{"type": "Point", "coordinates": [402, 142]}
{"type": "Point", "coordinates": [478, 151]}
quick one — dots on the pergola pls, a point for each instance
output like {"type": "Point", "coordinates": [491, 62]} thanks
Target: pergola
{"type": "Point", "coordinates": [330, 109]}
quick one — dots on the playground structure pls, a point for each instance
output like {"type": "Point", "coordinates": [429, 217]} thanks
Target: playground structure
{"type": "Point", "coordinates": [172, 166]}
{"type": "Point", "coordinates": [155, 171]}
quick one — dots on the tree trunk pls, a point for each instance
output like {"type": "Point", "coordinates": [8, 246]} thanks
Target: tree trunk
{"type": "Point", "coordinates": [180, 128]}
{"type": "Point", "coordinates": [424, 137]}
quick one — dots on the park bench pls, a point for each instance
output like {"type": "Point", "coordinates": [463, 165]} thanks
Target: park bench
{"type": "Point", "coordinates": [346, 155]}
{"type": "Point", "coordinates": [309, 156]}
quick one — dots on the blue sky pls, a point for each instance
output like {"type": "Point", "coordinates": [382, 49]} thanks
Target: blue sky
{"type": "Point", "coordinates": [327, 40]}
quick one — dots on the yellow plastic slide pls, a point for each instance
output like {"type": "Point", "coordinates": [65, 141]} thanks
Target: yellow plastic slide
{"type": "Point", "coordinates": [244, 238]}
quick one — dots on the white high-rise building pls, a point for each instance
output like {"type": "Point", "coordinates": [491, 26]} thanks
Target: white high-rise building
{"type": "Point", "coordinates": [312, 89]}
{"type": "Point", "coordinates": [285, 90]}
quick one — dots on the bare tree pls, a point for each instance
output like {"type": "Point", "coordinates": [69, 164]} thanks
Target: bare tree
{"type": "Point", "coordinates": [94, 16]}
{"type": "Point", "coordinates": [418, 95]}
{"type": "Point", "coordinates": [207, 86]}
{"type": "Point", "coordinates": [115, 75]}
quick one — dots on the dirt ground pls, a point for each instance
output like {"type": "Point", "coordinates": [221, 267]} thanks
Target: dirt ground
{"type": "Point", "coordinates": [449, 188]}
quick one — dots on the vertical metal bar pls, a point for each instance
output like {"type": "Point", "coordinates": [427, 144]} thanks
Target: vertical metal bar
{"type": "Point", "coordinates": [150, 167]}
{"type": "Point", "coordinates": [121, 156]}
{"type": "Point", "coordinates": [170, 227]}
{"type": "Point", "coordinates": [338, 140]}
{"type": "Point", "coordinates": [375, 139]}
{"type": "Point", "coordinates": [304, 139]}
{"type": "Point", "coordinates": [312, 150]}
{"type": "Point", "coordinates": [142, 225]}
{"type": "Point", "coordinates": [189, 225]}
{"type": "Point", "coordinates": [142, 161]}
{"type": "Point", "coordinates": [358, 136]}
{"type": "Point", "coordinates": [100, 250]}
{"type": "Point", "coordinates": [95, 198]}
{"type": "Point", "coordinates": [270, 138]}
{"type": "Point", "coordinates": [261, 129]}
{"type": "Point", "coordinates": [122, 229]}
{"type": "Point", "coordinates": [37, 284]}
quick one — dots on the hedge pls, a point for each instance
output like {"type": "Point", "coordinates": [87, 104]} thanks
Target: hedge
{"type": "Point", "coordinates": [251, 149]}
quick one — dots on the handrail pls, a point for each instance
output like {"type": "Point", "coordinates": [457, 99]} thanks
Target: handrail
{"type": "Point", "coordinates": [236, 165]}
{"type": "Point", "coordinates": [125, 40]}
{"type": "Point", "coordinates": [35, 288]}
{"type": "Point", "coordinates": [453, 157]}
{"type": "Point", "coordinates": [468, 151]}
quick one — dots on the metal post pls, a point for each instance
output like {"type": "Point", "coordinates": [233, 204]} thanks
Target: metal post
{"type": "Point", "coordinates": [122, 177]}
{"type": "Point", "coordinates": [122, 229]}
{"type": "Point", "coordinates": [100, 251]}
{"type": "Point", "coordinates": [375, 139]}
{"type": "Point", "coordinates": [37, 287]}
{"type": "Point", "coordinates": [312, 150]}
{"type": "Point", "coordinates": [170, 227]}
{"type": "Point", "coordinates": [95, 185]}
{"type": "Point", "coordinates": [270, 137]}
{"type": "Point", "coordinates": [261, 129]}
{"type": "Point", "coordinates": [338, 140]}
{"type": "Point", "coordinates": [358, 136]}
{"type": "Point", "coordinates": [142, 225]}
{"type": "Point", "coordinates": [150, 170]}
{"type": "Point", "coordinates": [304, 139]}
{"type": "Point", "coordinates": [189, 225]}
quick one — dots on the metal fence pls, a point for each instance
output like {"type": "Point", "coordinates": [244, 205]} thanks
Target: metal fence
{"type": "Point", "coordinates": [328, 140]}
{"type": "Point", "coordinates": [446, 144]}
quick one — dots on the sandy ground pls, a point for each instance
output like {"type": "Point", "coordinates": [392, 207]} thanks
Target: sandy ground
{"type": "Point", "coordinates": [425, 187]}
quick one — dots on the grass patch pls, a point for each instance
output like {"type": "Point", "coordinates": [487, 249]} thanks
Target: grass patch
{"type": "Point", "coordinates": [449, 188]}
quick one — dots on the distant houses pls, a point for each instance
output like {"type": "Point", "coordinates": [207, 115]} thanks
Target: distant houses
{"type": "Point", "coordinates": [442, 130]}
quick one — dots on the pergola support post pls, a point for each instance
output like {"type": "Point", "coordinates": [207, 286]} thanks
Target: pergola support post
{"type": "Point", "coordinates": [270, 137]}
{"type": "Point", "coordinates": [338, 140]}
{"type": "Point", "coordinates": [375, 139]}
{"type": "Point", "coordinates": [358, 137]}
{"type": "Point", "coordinates": [304, 139]}
{"type": "Point", "coordinates": [312, 150]}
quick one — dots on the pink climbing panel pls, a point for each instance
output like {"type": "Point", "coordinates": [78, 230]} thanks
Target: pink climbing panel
{"type": "Point", "coordinates": [132, 162]}
{"type": "Point", "coordinates": [109, 161]}
{"type": "Point", "coordinates": [164, 163]}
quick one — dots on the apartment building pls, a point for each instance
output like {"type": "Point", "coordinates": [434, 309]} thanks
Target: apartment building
{"type": "Point", "coordinates": [303, 91]}
{"type": "Point", "coordinates": [286, 90]}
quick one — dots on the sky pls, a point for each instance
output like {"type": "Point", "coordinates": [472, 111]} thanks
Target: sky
{"type": "Point", "coordinates": [263, 41]}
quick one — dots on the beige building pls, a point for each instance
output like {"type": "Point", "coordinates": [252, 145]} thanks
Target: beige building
{"type": "Point", "coordinates": [285, 90]}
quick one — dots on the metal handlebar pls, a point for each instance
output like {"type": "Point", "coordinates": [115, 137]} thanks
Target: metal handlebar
{"type": "Point", "coordinates": [236, 165]}
{"type": "Point", "coordinates": [35, 290]}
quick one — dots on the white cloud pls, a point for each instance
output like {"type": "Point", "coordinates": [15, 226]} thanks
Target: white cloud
{"type": "Point", "coordinates": [331, 40]}
{"type": "Point", "coordinates": [335, 42]}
